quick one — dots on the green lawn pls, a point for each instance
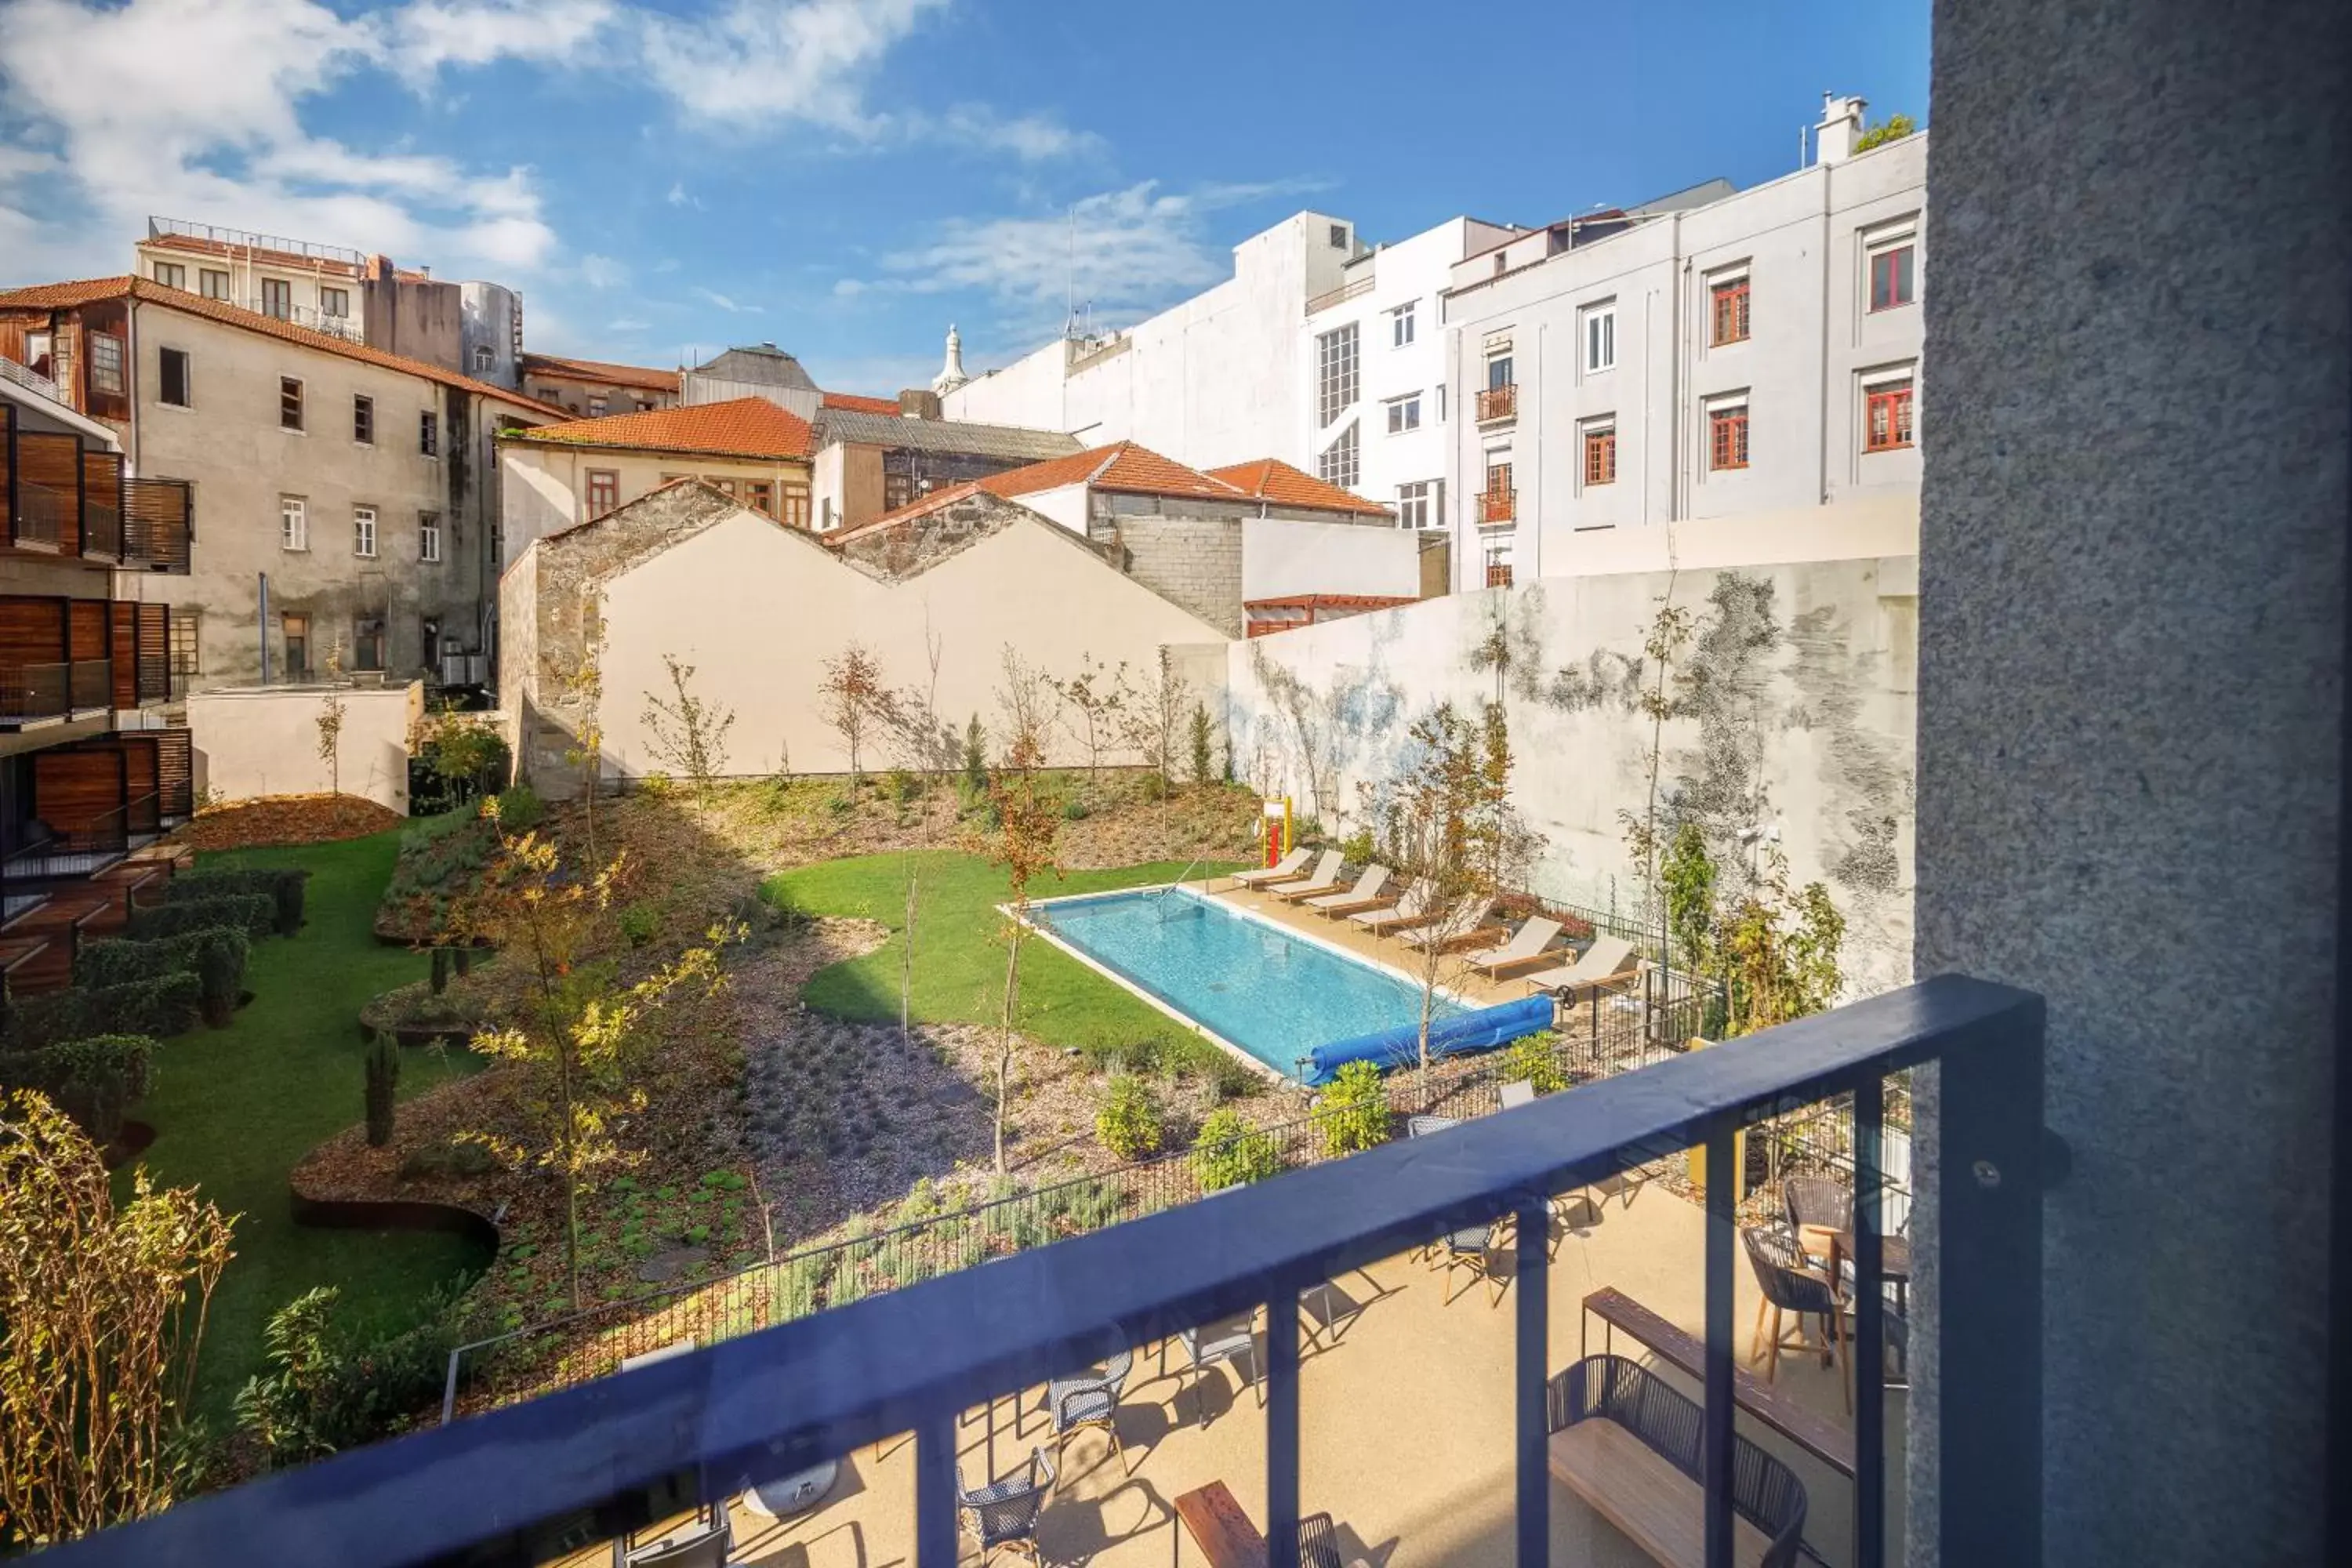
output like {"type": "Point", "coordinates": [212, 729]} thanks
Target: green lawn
{"type": "Point", "coordinates": [960, 949]}
{"type": "Point", "coordinates": [234, 1108]}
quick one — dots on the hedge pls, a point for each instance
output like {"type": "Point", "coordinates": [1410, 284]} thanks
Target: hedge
{"type": "Point", "coordinates": [216, 956]}
{"type": "Point", "coordinates": [283, 886]}
{"type": "Point", "coordinates": [92, 1081]}
{"type": "Point", "coordinates": [254, 913]}
{"type": "Point", "coordinates": [158, 1008]}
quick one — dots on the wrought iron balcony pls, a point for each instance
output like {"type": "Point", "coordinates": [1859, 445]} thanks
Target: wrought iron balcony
{"type": "Point", "coordinates": [1498, 403]}
{"type": "Point", "coordinates": [1497, 506]}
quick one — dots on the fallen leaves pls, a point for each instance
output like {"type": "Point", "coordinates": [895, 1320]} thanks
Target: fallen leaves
{"type": "Point", "coordinates": [286, 819]}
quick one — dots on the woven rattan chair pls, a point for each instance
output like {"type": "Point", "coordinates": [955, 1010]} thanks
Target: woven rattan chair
{"type": "Point", "coordinates": [1788, 1286]}
{"type": "Point", "coordinates": [1090, 1398]}
{"type": "Point", "coordinates": [1004, 1513]}
{"type": "Point", "coordinates": [1817, 1208]}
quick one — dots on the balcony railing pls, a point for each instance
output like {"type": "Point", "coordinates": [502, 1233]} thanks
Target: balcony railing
{"type": "Point", "coordinates": [345, 327]}
{"type": "Point", "coordinates": [35, 692]}
{"type": "Point", "coordinates": [45, 512]}
{"type": "Point", "coordinates": [101, 531]}
{"type": "Point", "coordinates": [158, 524]}
{"type": "Point", "coordinates": [1341, 295]}
{"type": "Point", "coordinates": [74, 851]}
{"type": "Point", "coordinates": [1497, 506]}
{"type": "Point", "coordinates": [1498, 403]}
{"type": "Point", "coordinates": [1499, 577]}
{"type": "Point", "coordinates": [92, 683]}
{"type": "Point", "coordinates": [522, 1484]}
{"type": "Point", "coordinates": [154, 679]}
{"type": "Point", "coordinates": [31, 380]}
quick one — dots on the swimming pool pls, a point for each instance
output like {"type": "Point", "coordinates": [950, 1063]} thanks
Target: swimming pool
{"type": "Point", "coordinates": [1273, 994]}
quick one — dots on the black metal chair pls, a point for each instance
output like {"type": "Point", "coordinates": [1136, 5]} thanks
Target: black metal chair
{"type": "Point", "coordinates": [1318, 1543]}
{"type": "Point", "coordinates": [710, 1543]}
{"type": "Point", "coordinates": [1208, 1344]}
{"type": "Point", "coordinates": [1003, 1514]}
{"type": "Point", "coordinates": [1788, 1287]}
{"type": "Point", "coordinates": [1090, 1398]}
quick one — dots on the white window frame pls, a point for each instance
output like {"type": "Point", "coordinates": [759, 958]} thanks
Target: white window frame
{"type": "Point", "coordinates": [1403, 325]}
{"type": "Point", "coordinates": [1403, 414]}
{"type": "Point", "coordinates": [293, 523]}
{"type": "Point", "coordinates": [1339, 377]}
{"type": "Point", "coordinates": [428, 537]}
{"type": "Point", "coordinates": [211, 282]}
{"type": "Point", "coordinates": [1420, 504]}
{"type": "Point", "coordinates": [1599, 425]}
{"type": "Point", "coordinates": [1893, 235]}
{"type": "Point", "coordinates": [428, 433]}
{"type": "Point", "coordinates": [335, 302]}
{"type": "Point", "coordinates": [1597, 332]}
{"type": "Point", "coordinates": [363, 532]}
{"type": "Point", "coordinates": [172, 275]}
{"type": "Point", "coordinates": [362, 400]}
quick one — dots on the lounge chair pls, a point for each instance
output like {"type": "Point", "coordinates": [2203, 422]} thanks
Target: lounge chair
{"type": "Point", "coordinates": [1365, 895]}
{"type": "Point", "coordinates": [1608, 959]}
{"type": "Point", "coordinates": [1456, 925]}
{"type": "Point", "coordinates": [1290, 869]}
{"type": "Point", "coordinates": [1526, 946]}
{"type": "Point", "coordinates": [1325, 878]}
{"type": "Point", "coordinates": [1410, 910]}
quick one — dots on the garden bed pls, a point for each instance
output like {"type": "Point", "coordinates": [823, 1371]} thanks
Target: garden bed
{"type": "Point", "coordinates": [286, 819]}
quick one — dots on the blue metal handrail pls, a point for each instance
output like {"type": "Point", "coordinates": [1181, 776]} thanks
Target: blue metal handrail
{"type": "Point", "coordinates": [507, 1486]}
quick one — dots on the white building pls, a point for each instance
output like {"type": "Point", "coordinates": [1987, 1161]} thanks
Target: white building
{"type": "Point", "coordinates": [1754, 353]}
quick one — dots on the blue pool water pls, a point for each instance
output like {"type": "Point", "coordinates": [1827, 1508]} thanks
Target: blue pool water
{"type": "Point", "coordinates": [1273, 995]}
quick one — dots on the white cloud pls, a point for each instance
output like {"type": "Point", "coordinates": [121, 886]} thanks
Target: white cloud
{"type": "Point", "coordinates": [732, 306]}
{"type": "Point", "coordinates": [758, 62]}
{"type": "Point", "coordinates": [602, 271]}
{"type": "Point", "coordinates": [626, 324]}
{"type": "Point", "coordinates": [1032, 138]}
{"type": "Point", "coordinates": [421, 39]}
{"type": "Point", "coordinates": [678, 196]}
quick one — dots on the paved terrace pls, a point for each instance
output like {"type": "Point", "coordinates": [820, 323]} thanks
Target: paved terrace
{"type": "Point", "coordinates": [1388, 951]}
{"type": "Point", "coordinates": [1405, 1424]}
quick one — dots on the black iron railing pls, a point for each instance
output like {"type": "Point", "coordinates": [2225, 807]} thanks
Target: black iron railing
{"type": "Point", "coordinates": [154, 677]}
{"type": "Point", "coordinates": [71, 851]}
{"type": "Point", "coordinates": [45, 512]}
{"type": "Point", "coordinates": [35, 690]}
{"type": "Point", "coordinates": [93, 683]}
{"type": "Point", "coordinates": [520, 1484]}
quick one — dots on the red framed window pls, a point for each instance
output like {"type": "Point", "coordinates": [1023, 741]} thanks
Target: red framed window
{"type": "Point", "coordinates": [1728, 312]}
{"type": "Point", "coordinates": [1727, 430]}
{"type": "Point", "coordinates": [1893, 277]}
{"type": "Point", "coordinates": [603, 490]}
{"type": "Point", "coordinates": [1887, 417]}
{"type": "Point", "coordinates": [1600, 457]}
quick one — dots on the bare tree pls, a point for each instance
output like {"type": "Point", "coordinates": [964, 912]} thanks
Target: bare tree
{"type": "Point", "coordinates": [1096, 700]}
{"type": "Point", "coordinates": [688, 735]}
{"type": "Point", "coordinates": [1155, 717]}
{"type": "Point", "coordinates": [919, 740]}
{"type": "Point", "coordinates": [854, 700]}
{"type": "Point", "coordinates": [1028, 820]}
{"type": "Point", "coordinates": [331, 739]}
{"type": "Point", "coordinates": [1030, 701]}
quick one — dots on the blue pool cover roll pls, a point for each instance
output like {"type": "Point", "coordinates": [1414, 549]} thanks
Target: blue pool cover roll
{"type": "Point", "coordinates": [1481, 1030]}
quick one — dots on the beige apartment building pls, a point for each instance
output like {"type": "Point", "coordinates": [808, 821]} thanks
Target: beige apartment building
{"type": "Point", "coordinates": [594, 388]}
{"type": "Point", "coordinates": [346, 496]}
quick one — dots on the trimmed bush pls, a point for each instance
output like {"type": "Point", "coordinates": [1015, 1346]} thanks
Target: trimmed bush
{"type": "Point", "coordinates": [1355, 1111]}
{"type": "Point", "coordinates": [93, 1080]}
{"type": "Point", "coordinates": [1227, 1154]}
{"type": "Point", "coordinates": [159, 1008]}
{"type": "Point", "coordinates": [1535, 1059]}
{"type": "Point", "coordinates": [282, 886]}
{"type": "Point", "coordinates": [216, 956]}
{"type": "Point", "coordinates": [1129, 1123]}
{"type": "Point", "coordinates": [254, 913]}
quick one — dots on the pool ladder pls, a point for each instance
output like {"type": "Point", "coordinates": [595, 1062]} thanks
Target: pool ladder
{"type": "Point", "coordinates": [1161, 897]}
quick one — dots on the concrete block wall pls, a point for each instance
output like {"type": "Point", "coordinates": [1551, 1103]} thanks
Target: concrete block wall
{"type": "Point", "coordinates": [1191, 561]}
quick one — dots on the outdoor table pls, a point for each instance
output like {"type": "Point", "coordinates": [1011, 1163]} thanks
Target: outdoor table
{"type": "Point", "coordinates": [1894, 1264]}
{"type": "Point", "coordinates": [1219, 1527]}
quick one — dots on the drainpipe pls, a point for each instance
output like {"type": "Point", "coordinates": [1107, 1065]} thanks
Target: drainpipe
{"type": "Point", "coordinates": [265, 628]}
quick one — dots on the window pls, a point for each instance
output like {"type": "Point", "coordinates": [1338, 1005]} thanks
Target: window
{"type": "Point", "coordinates": [1500, 398]}
{"type": "Point", "coordinates": [1339, 237]}
{"type": "Point", "coordinates": [1498, 503]}
{"type": "Point", "coordinates": [428, 434]}
{"type": "Point", "coordinates": [1726, 436]}
{"type": "Point", "coordinates": [364, 420]}
{"type": "Point", "coordinates": [603, 490]}
{"type": "Point", "coordinates": [1893, 279]}
{"type": "Point", "coordinates": [296, 630]}
{"type": "Point", "coordinates": [760, 495]}
{"type": "Point", "coordinates": [363, 531]}
{"type": "Point", "coordinates": [1886, 416]}
{"type": "Point", "coordinates": [1498, 371]}
{"type": "Point", "coordinates": [1601, 338]}
{"type": "Point", "coordinates": [185, 645]}
{"type": "Point", "coordinates": [1402, 324]}
{"type": "Point", "coordinates": [1420, 504]}
{"type": "Point", "coordinates": [597, 404]}
{"type": "Point", "coordinates": [367, 642]}
{"type": "Point", "coordinates": [486, 358]}
{"type": "Point", "coordinates": [428, 537]}
{"type": "Point", "coordinates": [795, 512]}
{"type": "Point", "coordinates": [1600, 452]}
{"type": "Point", "coordinates": [1441, 403]}
{"type": "Point", "coordinates": [334, 302]}
{"type": "Point", "coordinates": [170, 274]}
{"type": "Point", "coordinates": [293, 523]}
{"type": "Point", "coordinates": [898, 490]}
{"type": "Point", "coordinates": [106, 363]}
{"type": "Point", "coordinates": [1339, 464]}
{"type": "Point", "coordinates": [174, 364]}
{"type": "Point", "coordinates": [1335, 375]}
{"type": "Point", "coordinates": [37, 354]}
{"type": "Point", "coordinates": [212, 284]}
{"type": "Point", "coordinates": [289, 403]}
{"type": "Point", "coordinates": [725, 487]}
{"type": "Point", "coordinates": [644, 405]}
{"type": "Point", "coordinates": [278, 298]}
{"type": "Point", "coordinates": [1727, 311]}
{"type": "Point", "coordinates": [1404, 414]}
{"type": "Point", "coordinates": [1498, 566]}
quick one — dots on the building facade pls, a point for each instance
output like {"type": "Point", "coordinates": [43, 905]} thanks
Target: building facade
{"type": "Point", "coordinates": [1758, 352]}
{"type": "Point", "coordinates": [869, 463]}
{"type": "Point", "coordinates": [591, 389]}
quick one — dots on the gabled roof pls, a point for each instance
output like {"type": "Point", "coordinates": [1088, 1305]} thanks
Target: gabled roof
{"type": "Point", "coordinates": [1122, 466]}
{"type": "Point", "coordinates": [762, 364]}
{"type": "Point", "coordinates": [602, 370]}
{"type": "Point", "coordinates": [71, 295]}
{"type": "Point", "coordinates": [1275, 482]}
{"type": "Point", "coordinates": [853, 403]}
{"type": "Point", "coordinates": [1010, 442]}
{"type": "Point", "coordinates": [739, 427]}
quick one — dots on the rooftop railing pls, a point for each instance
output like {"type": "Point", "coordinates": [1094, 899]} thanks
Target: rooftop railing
{"type": "Point", "coordinates": [1346, 291]}
{"type": "Point", "coordinates": [522, 1484]}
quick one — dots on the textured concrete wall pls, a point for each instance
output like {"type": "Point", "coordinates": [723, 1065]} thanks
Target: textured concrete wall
{"type": "Point", "coordinates": [2132, 548]}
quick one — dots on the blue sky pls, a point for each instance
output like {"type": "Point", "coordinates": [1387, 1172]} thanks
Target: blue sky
{"type": "Point", "coordinates": [844, 177]}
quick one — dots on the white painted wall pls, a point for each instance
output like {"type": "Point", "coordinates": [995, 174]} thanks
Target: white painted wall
{"type": "Point", "coordinates": [1281, 557]}
{"type": "Point", "coordinates": [1068, 505]}
{"type": "Point", "coordinates": [262, 741]}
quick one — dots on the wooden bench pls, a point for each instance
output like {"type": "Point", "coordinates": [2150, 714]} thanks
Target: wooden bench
{"type": "Point", "coordinates": [1816, 1434]}
{"type": "Point", "coordinates": [1219, 1527]}
{"type": "Point", "coordinates": [1629, 1445]}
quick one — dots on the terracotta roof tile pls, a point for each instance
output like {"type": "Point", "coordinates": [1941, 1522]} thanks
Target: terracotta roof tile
{"type": "Point", "coordinates": [741, 428]}
{"type": "Point", "coordinates": [1271, 480]}
{"type": "Point", "coordinates": [1122, 466]}
{"type": "Point", "coordinates": [853, 403]}
{"type": "Point", "coordinates": [602, 370]}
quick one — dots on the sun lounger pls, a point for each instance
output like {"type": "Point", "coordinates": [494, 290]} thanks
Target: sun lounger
{"type": "Point", "coordinates": [1456, 925]}
{"type": "Point", "coordinates": [1325, 880]}
{"type": "Point", "coordinates": [1290, 869]}
{"type": "Point", "coordinates": [1609, 958]}
{"type": "Point", "coordinates": [1365, 895]}
{"type": "Point", "coordinates": [1410, 909]}
{"type": "Point", "coordinates": [1526, 946]}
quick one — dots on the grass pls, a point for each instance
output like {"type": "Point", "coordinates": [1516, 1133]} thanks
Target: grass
{"type": "Point", "coordinates": [960, 952]}
{"type": "Point", "coordinates": [234, 1108]}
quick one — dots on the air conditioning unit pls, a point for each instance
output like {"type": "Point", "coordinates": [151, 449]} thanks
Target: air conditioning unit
{"type": "Point", "coordinates": [464, 669]}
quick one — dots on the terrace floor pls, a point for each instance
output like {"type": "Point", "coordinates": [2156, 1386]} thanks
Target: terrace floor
{"type": "Point", "coordinates": [1405, 1426]}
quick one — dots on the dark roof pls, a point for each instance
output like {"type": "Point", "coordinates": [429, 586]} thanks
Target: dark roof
{"type": "Point", "coordinates": [858, 427]}
{"type": "Point", "coordinates": [765, 364]}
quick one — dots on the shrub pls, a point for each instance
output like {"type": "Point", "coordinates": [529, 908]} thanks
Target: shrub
{"type": "Point", "coordinates": [282, 885]}
{"type": "Point", "coordinates": [335, 1388]}
{"type": "Point", "coordinates": [158, 1008]}
{"type": "Point", "coordinates": [1535, 1059]}
{"type": "Point", "coordinates": [1153, 784]}
{"type": "Point", "coordinates": [903, 787]}
{"type": "Point", "coordinates": [1074, 809]}
{"type": "Point", "coordinates": [93, 1080]}
{"type": "Point", "coordinates": [640, 922]}
{"type": "Point", "coordinates": [1227, 1154]}
{"type": "Point", "coordinates": [1130, 1123]}
{"type": "Point", "coordinates": [1358, 848]}
{"type": "Point", "coordinates": [450, 1159]}
{"type": "Point", "coordinates": [521, 809]}
{"type": "Point", "coordinates": [216, 956]}
{"type": "Point", "coordinates": [254, 913]}
{"type": "Point", "coordinates": [1198, 726]}
{"type": "Point", "coordinates": [1355, 1110]}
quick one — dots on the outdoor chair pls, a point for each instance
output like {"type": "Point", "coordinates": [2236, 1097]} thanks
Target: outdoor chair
{"type": "Point", "coordinates": [1526, 946]}
{"type": "Point", "coordinates": [1208, 1344]}
{"type": "Point", "coordinates": [1456, 924]}
{"type": "Point", "coordinates": [1817, 1208]}
{"type": "Point", "coordinates": [1090, 1398]}
{"type": "Point", "coordinates": [1470, 1249]}
{"type": "Point", "coordinates": [1410, 909]}
{"type": "Point", "coordinates": [1004, 1513]}
{"type": "Point", "coordinates": [709, 1542]}
{"type": "Point", "coordinates": [1289, 869]}
{"type": "Point", "coordinates": [1514, 1095]}
{"type": "Point", "coordinates": [1318, 1544]}
{"type": "Point", "coordinates": [1606, 960]}
{"type": "Point", "coordinates": [1322, 880]}
{"type": "Point", "coordinates": [1365, 895]}
{"type": "Point", "coordinates": [1788, 1286]}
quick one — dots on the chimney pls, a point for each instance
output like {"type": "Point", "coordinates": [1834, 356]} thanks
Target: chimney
{"type": "Point", "coordinates": [1839, 129]}
{"type": "Point", "coordinates": [379, 269]}
{"type": "Point", "coordinates": [915, 403]}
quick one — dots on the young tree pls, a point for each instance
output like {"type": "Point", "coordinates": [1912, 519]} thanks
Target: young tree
{"type": "Point", "coordinates": [1095, 698]}
{"type": "Point", "coordinates": [688, 735]}
{"type": "Point", "coordinates": [1029, 701]}
{"type": "Point", "coordinates": [854, 700]}
{"type": "Point", "coordinates": [578, 1034]}
{"type": "Point", "coordinates": [1670, 629]}
{"type": "Point", "coordinates": [1778, 950]}
{"type": "Point", "coordinates": [1154, 715]}
{"type": "Point", "coordinates": [1028, 819]}
{"type": "Point", "coordinates": [1203, 763]}
{"type": "Point", "coordinates": [101, 1312]}
{"type": "Point", "coordinates": [330, 740]}
{"type": "Point", "coordinates": [1431, 822]}
{"type": "Point", "coordinates": [920, 740]}
{"type": "Point", "coordinates": [975, 759]}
